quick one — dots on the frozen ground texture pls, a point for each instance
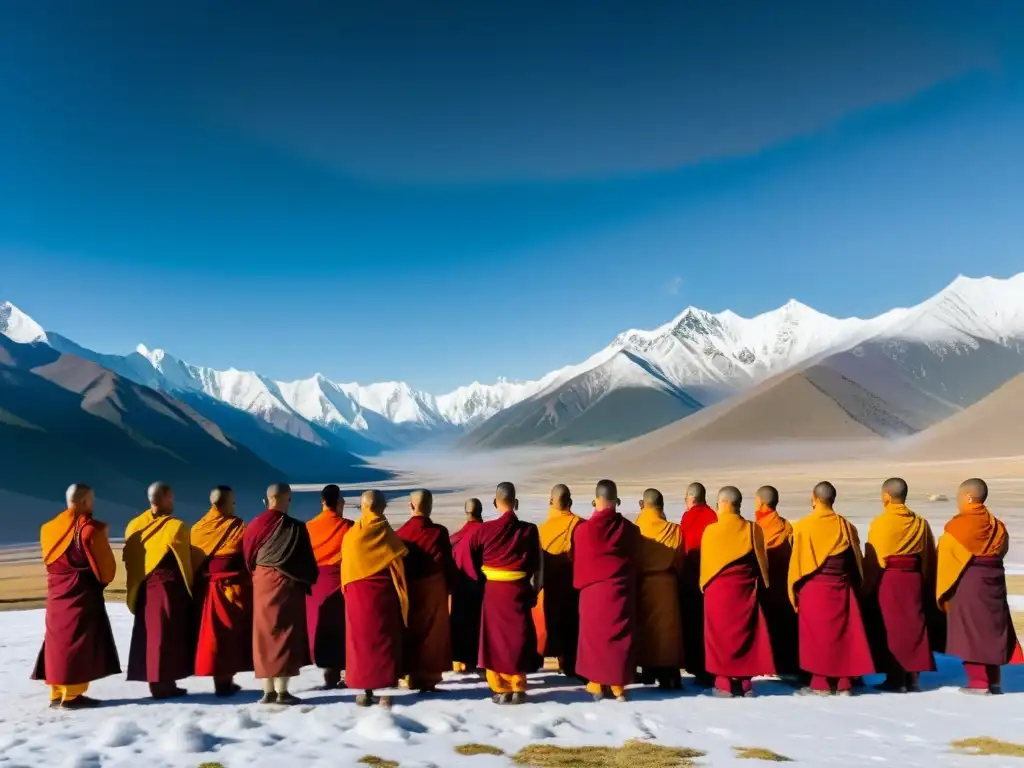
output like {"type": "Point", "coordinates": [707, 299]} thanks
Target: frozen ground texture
{"type": "Point", "coordinates": [131, 731]}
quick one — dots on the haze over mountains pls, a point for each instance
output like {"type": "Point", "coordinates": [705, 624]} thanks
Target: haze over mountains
{"type": "Point", "coordinates": [894, 375]}
{"type": "Point", "coordinates": [938, 380]}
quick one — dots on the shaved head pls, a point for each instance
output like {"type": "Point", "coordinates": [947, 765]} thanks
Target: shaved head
{"type": "Point", "coordinates": [373, 500]}
{"type": "Point", "coordinates": [825, 492]}
{"type": "Point", "coordinates": [974, 490]}
{"type": "Point", "coordinates": [474, 510]}
{"type": "Point", "coordinates": [897, 489]}
{"type": "Point", "coordinates": [654, 499]}
{"type": "Point", "coordinates": [222, 497]}
{"type": "Point", "coordinates": [279, 497]}
{"type": "Point", "coordinates": [769, 496]}
{"type": "Point", "coordinates": [421, 502]}
{"type": "Point", "coordinates": [79, 497]}
{"type": "Point", "coordinates": [560, 497]}
{"type": "Point", "coordinates": [730, 496]}
{"type": "Point", "coordinates": [505, 496]}
{"type": "Point", "coordinates": [331, 496]}
{"type": "Point", "coordinates": [697, 492]}
{"type": "Point", "coordinates": [606, 495]}
{"type": "Point", "coordinates": [161, 498]}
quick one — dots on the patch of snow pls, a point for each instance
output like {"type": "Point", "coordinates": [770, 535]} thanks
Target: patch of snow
{"type": "Point", "coordinates": [19, 327]}
{"type": "Point", "coordinates": [329, 730]}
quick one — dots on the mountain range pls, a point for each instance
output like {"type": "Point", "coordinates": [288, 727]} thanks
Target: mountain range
{"type": "Point", "coordinates": [893, 375]}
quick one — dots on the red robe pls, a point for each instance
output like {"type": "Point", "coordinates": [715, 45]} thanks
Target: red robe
{"type": "Point", "coordinates": [466, 600]}
{"type": "Point", "coordinates": [78, 646]}
{"type": "Point", "coordinates": [222, 591]}
{"type": "Point", "coordinates": [693, 523]}
{"type": "Point", "coordinates": [429, 570]}
{"type": "Point", "coordinates": [508, 638]}
{"type": "Point", "coordinates": [604, 571]}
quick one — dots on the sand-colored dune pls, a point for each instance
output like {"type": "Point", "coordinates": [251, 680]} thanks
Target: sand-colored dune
{"type": "Point", "coordinates": [807, 413]}
{"type": "Point", "coordinates": [991, 428]}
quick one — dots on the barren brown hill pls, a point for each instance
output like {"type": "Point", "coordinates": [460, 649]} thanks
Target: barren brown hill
{"type": "Point", "coordinates": [812, 411]}
{"type": "Point", "coordinates": [991, 428]}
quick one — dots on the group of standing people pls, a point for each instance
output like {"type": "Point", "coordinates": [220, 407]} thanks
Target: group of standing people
{"type": "Point", "coordinates": [615, 602]}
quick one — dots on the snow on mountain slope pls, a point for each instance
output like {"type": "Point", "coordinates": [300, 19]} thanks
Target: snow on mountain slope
{"type": "Point", "coordinates": [622, 397]}
{"type": "Point", "coordinates": [19, 327]}
{"type": "Point", "coordinates": [709, 356]}
{"type": "Point", "coordinates": [476, 402]}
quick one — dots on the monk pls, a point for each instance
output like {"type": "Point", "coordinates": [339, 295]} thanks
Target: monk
{"type": "Point", "coordinates": [556, 615]}
{"type": "Point", "coordinates": [697, 517]}
{"type": "Point", "coordinates": [971, 589]}
{"type": "Point", "coordinates": [78, 644]}
{"type": "Point", "coordinates": [825, 573]}
{"type": "Point", "coordinates": [778, 610]}
{"type": "Point", "coordinates": [467, 595]}
{"type": "Point", "coordinates": [507, 551]}
{"type": "Point", "coordinates": [899, 581]}
{"type": "Point", "coordinates": [222, 590]}
{"type": "Point", "coordinates": [659, 622]}
{"type": "Point", "coordinates": [325, 605]}
{"type": "Point", "coordinates": [376, 601]}
{"type": "Point", "coordinates": [733, 574]}
{"type": "Point", "coordinates": [604, 571]}
{"type": "Point", "coordinates": [158, 565]}
{"type": "Point", "coordinates": [429, 571]}
{"type": "Point", "coordinates": [279, 555]}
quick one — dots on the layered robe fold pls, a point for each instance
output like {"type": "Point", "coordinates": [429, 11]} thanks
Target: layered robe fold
{"type": "Point", "coordinates": [899, 581]}
{"type": "Point", "coordinates": [971, 589]}
{"type": "Point", "coordinates": [778, 610]}
{"type": "Point", "coordinates": [78, 643]}
{"type": "Point", "coordinates": [659, 630]}
{"type": "Point", "coordinates": [694, 521]}
{"type": "Point", "coordinates": [279, 555]}
{"type": "Point", "coordinates": [158, 564]}
{"type": "Point", "coordinates": [222, 595]}
{"type": "Point", "coordinates": [466, 600]}
{"type": "Point", "coordinates": [507, 550]}
{"type": "Point", "coordinates": [556, 615]}
{"type": "Point", "coordinates": [604, 571]}
{"type": "Point", "coordinates": [376, 603]}
{"type": "Point", "coordinates": [733, 575]}
{"type": "Point", "coordinates": [325, 604]}
{"type": "Point", "coordinates": [825, 573]}
{"type": "Point", "coordinates": [429, 572]}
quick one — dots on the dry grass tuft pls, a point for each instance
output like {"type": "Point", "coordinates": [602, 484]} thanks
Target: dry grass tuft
{"type": "Point", "coordinates": [376, 762]}
{"type": "Point", "coordinates": [211, 765]}
{"type": "Point", "coordinates": [632, 754]}
{"type": "Point", "coordinates": [760, 753]}
{"type": "Point", "coordinates": [478, 749]}
{"type": "Point", "coordinates": [984, 745]}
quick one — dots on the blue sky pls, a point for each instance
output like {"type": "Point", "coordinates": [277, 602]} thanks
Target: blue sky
{"type": "Point", "coordinates": [493, 189]}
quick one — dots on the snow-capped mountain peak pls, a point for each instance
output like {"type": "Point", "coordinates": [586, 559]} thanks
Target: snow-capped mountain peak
{"type": "Point", "coordinates": [19, 327]}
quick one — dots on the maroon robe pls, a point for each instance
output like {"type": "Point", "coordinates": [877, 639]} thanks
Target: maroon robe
{"type": "Point", "coordinates": [897, 618]}
{"type": "Point", "coordinates": [736, 641]}
{"type": "Point", "coordinates": [979, 629]}
{"type": "Point", "coordinates": [779, 613]}
{"type": "Point", "coordinates": [466, 600]}
{"type": "Point", "coordinates": [508, 637]}
{"type": "Point", "coordinates": [224, 644]}
{"type": "Point", "coordinates": [325, 618]}
{"type": "Point", "coordinates": [78, 646]}
{"type": "Point", "coordinates": [604, 572]}
{"type": "Point", "coordinates": [374, 633]}
{"type": "Point", "coordinates": [280, 557]}
{"type": "Point", "coordinates": [162, 648]}
{"type": "Point", "coordinates": [833, 640]}
{"type": "Point", "coordinates": [429, 572]}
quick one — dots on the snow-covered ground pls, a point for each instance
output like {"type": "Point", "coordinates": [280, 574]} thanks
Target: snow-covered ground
{"type": "Point", "coordinates": [131, 731]}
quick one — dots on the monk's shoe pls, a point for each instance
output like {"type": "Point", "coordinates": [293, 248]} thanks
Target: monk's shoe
{"type": "Point", "coordinates": [976, 691]}
{"type": "Point", "coordinates": [269, 698]}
